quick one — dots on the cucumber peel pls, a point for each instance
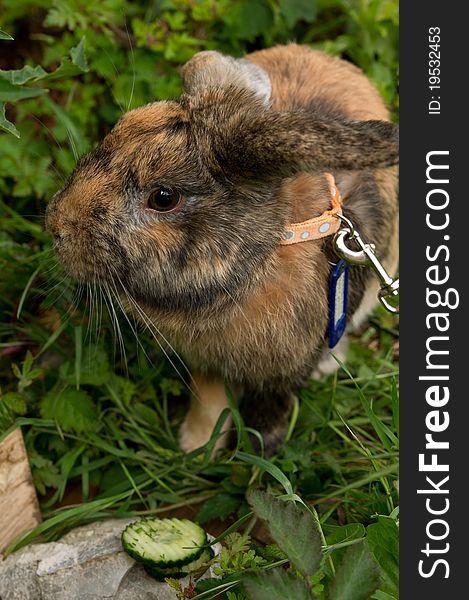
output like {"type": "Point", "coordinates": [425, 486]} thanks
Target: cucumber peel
{"type": "Point", "coordinates": [192, 568]}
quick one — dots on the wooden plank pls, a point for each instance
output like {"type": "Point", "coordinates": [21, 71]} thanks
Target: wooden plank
{"type": "Point", "coordinates": [19, 507]}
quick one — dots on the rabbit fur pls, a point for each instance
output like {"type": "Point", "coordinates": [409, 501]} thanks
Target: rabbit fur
{"type": "Point", "coordinates": [246, 147]}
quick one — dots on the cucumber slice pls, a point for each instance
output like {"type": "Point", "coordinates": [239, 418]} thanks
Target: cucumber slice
{"type": "Point", "coordinates": [164, 543]}
{"type": "Point", "coordinates": [177, 572]}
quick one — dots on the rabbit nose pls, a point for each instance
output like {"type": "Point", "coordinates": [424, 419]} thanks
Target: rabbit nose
{"type": "Point", "coordinates": [52, 226]}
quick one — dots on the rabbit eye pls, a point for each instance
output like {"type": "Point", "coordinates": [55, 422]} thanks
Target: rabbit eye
{"type": "Point", "coordinates": [164, 200]}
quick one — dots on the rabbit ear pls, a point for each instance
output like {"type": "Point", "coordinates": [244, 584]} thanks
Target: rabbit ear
{"type": "Point", "coordinates": [210, 69]}
{"type": "Point", "coordinates": [272, 145]}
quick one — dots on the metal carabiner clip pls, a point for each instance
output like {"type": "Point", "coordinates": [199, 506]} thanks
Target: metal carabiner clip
{"type": "Point", "coordinates": [366, 256]}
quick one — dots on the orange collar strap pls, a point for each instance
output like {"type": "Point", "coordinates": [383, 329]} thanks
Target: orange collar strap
{"type": "Point", "coordinates": [314, 229]}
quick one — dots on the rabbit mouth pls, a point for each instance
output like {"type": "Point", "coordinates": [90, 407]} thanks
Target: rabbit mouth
{"type": "Point", "coordinates": [100, 261]}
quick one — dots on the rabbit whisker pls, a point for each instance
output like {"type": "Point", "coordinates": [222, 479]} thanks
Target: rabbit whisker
{"type": "Point", "coordinates": [72, 143]}
{"type": "Point", "coordinates": [117, 72]}
{"type": "Point", "coordinates": [116, 321]}
{"type": "Point", "coordinates": [99, 315]}
{"type": "Point", "coordinates": [63, 285]}
{"type": "Point", "coordinates": [90, 301]}
{"type": "Point", "coordinates": [132, 57]}
{"type": "Point", "coordinates": [154, 330]}
{"type": "Point", "coordinates": [54, 137]}
{"type": "Point", "coordinates": [132, 326]}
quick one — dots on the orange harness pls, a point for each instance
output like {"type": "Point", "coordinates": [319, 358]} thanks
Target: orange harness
{"type": "Point", "coordinates": [314, 229]}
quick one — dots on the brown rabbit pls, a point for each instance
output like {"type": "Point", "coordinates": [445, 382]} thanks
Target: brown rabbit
{"type": "Point", "coordinates": [182, 207]}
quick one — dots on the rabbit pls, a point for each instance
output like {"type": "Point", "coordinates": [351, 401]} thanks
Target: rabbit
{"type": "Point", "coordinates": [182, 207]}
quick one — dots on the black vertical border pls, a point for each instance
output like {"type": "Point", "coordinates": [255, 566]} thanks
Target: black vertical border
{"type": "Point", "coordinates": [421, 133]}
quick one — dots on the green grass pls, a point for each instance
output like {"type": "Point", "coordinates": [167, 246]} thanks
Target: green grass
{"type": "Point", "coordinates": [99, 409]}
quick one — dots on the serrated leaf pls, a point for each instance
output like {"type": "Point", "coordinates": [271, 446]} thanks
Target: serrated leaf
{"type": "Point", "coordinates": [12, 93]}
{"type": "Point", "coordinates": [172, 387]}
{"type": "Point", "coordinates": [357, 576]}
{"type": "Point", "coordinates": [218, 507]}
{"type": "Point", "coordinates": [336, 536]}
{"type": "Point", "coordinates": [5, 124]}
{"type": "Point", "coordinates": [276, 584]}
{"type": "Point", "coordinates": [383, 542]}
{"type": "Point", "coordinates": [20, 76]}
{"type": "Point", "coordinates": [66, 69]}
{"type": "Point", "coordinates": [298, 10]}
{"type": "Point", "coordinates": [127, 390]}
{"type": "Point", "coordinates": [45, 473]}
{"type": "Point", "coordinates": [78, 55]}
{"type": "Point", "coordinates": [14, 402]}
{"type": "Point", "coordinates": [292, 528]}
{"type": "Point", "coordinates": [72, 409]}
{"type": "Point", "coordinates": [94, 366]}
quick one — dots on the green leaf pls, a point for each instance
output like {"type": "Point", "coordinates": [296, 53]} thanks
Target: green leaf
{"type": "Point", "coordinates": [28, 363]}
{"type": "Point", "coordinates": [292, 528]}
{"type": "Point", "coordinates": [14, 402]}
{"type": "Point", "coordinates": [276, 584]}
{"type": "Point", "coordinates": [45, 473]}
{"type": "Point", "coordinates": [356, 577]}
{"type": "Point", "coordinates": [69, 68]}
{"type": "Point", "coordinates": [5, 36]}
{"type": "Point", "coordinates": [5, 124]}
{"type": "Point", "coordinates": [20, 76]}
{"type": "Point", "coordinates": [255, 17]}
{"type": "Point", "coordinates": [66, 69]}
{"type": "Point", "coordinates": [72, 409]}
{"type": "Point", "coordinates": [336, 534]}
{"type": "Point", "coordinates": [146, 415]}
{"type": "Point", "coordinates": [93, 367]}
{"type": "Point", "coordinates": [78, 55]}
{"type": "Point", "coordinates": [12, 93]}
{"type": "Point", "coordinates": [127, 389]}
{"type": "Point", "coordinates": [383, 541]}
{"type": "Point", "coordinates": [218, 507]}
{"type": "Point", "coordinates": [339, 538]}
{"type": "Point", "coordinates": [269, 467]}
{"type": "Point", "coordinates": [16, 370]}
{"type": "Point", "coordinates": [298, 10]}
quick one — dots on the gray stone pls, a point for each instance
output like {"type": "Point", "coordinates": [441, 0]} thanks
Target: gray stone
{"type": "Point", "coordinates": [88, 563]}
